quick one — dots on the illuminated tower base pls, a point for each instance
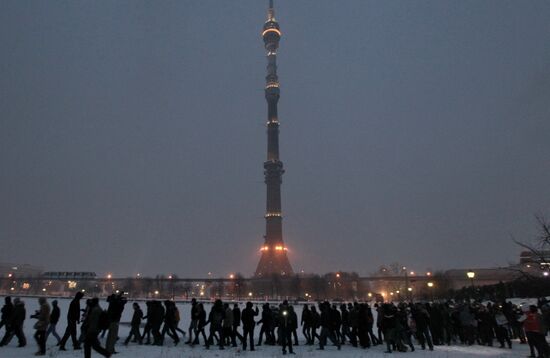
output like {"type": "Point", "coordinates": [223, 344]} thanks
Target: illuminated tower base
{"type": "Point", "coordinates": [274, 261]}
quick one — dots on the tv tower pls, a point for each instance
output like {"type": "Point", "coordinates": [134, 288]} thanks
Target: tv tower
{"type": "Point", "coordinates": [274, 258]}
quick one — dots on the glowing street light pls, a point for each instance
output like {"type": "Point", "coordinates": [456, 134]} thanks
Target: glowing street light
{"type": "Point", "coordinates": [410, 289]}
{"type": "Point", "coordinates": [545, 273]}
{"type": "Point", "coordinates": [430, 284]}
{"type": "Point", "coordinates": [157, 292]}
{"type": "Point", "coordinates": [231, 276]}
{"type": "Point", "coordinates": [249, 294]}
{"type": "Point", "coordinates": [109, 276]}
{"type": "Point", "coordinates": [471, 275]}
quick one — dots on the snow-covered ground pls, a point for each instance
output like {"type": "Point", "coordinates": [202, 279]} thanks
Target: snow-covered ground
{"type": "Point", "coordinates": [183, 350]}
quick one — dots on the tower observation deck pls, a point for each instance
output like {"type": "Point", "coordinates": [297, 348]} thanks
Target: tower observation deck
{"type": "Point", "coordinates": [274, 259]}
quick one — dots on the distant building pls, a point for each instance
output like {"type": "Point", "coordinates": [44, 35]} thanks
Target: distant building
{"type": "Point", "coordinates": [8, 269]}
{"type": "Point", "coordinates": [535, 257]}
{"type": "Point", "coordinates": [69, 275]}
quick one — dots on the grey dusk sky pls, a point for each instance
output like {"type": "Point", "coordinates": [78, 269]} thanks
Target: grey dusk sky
{"type": "Point", "coordinates": [132, 133]}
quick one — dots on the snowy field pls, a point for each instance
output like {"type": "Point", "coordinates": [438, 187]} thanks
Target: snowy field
{"type": "Point", "coordinates": [183, 350]}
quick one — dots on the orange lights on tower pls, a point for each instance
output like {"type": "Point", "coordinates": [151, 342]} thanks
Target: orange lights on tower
{"type": "Point", "coordinates": [276, 248]}
{"type": "Point", "coordinates": [278, 32]}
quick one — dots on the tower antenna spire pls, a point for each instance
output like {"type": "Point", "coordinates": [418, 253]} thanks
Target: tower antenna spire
{"type": "Point", "coordinates": [271, 11]}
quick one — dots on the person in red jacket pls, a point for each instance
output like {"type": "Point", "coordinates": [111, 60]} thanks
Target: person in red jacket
{"type": "Point", "coordinates": [534, 331]}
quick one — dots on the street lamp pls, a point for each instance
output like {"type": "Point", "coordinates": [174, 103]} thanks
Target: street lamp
{"type": "Point", "coordinates": [471, 275]}
{"type": "Point", "coordinates": [430, 287]}
{"type": "Point", "coordinates": [404, 269]}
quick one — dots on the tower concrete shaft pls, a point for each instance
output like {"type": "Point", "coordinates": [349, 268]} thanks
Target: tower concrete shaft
{"type": "Point", "coordinates": [274, 258]}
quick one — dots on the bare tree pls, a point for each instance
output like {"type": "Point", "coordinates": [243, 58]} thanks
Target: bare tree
{"type": "Point", "coordinates": [539, 247]}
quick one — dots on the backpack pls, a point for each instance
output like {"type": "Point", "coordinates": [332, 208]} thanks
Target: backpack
{"type": "Point", "coordinates": [103, 323]}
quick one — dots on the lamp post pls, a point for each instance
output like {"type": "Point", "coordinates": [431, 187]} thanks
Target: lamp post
{"type": "Point", "coordinates": [471, 275]}
{"type": "Point", "coordinates": [430, 288]}
{"type": "Point", "coordinates": [404, 269]}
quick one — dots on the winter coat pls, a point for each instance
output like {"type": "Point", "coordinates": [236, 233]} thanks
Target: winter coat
{"type": "Point", "coordinates": [170, 316]}
{"type": "Point", "coordinates": [43, 317]}
{"type": "Point", "coordinates": [532, 322]}
{"type": "Point", "coordinates": [92, 321]}
{"type": "Point", "coordinates": [7, 312]}
{"type": "Point", "coordinates": [389, 322]}
{"type": "Point", "coordinates": [201, 318]}
{"type": "Point", "coordinates": [155, 314]}
{"type": "Point", "coordinates": [236, 317]}
{"type": "Point", "coordinates": [54, 317]}
{"type": "Point", "coordinates": [285, 319]}
{"type": "Point", "coordinates": [136, 317]}
{"type": "Point", "coordinates": [73, 314]}
{"type": "Point", "coordinates": [315, 319]}
{"type": "Point", "coordinates": [500, 319]}
{"type": "Point", "coordinates": [306, 318]}
{"type": "Point", "coordinates": [267, 317]}
{"type": "Point", "coordinates": [116, 306]}
{"type": "Point", "coordinates": [228, 320]}
{"type": "Point", "coordinates": [335, 318]}
{"type": "Point", "coordinates": [354, 318]}
{"type": "Point", "coordinates": [19, 314]}
{"type": "Point", "coordinates": [294, 318]}
{"type": "Point", "coordinates": [194, 311]}
{"type": "Point", "coordinates": [325, 318]}
{"type": "Point", "coordinates": [247, 316]}
{"type": "Point", "coordinates": [421, 318]}
{"type": "Point", "coordinates": [345, 317]}
{"type": "Point", "coordinates": [216, 317]}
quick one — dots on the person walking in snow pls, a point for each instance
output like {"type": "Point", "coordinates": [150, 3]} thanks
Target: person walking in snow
{"type": "Point", "coordinates": [247, 317]}
{"type": "Point", "coordinates": [43, 320]}
{"type": "Point", "coordinates": [14, 327]}
{"type": "Point", "coordinates": [137, 316]}
{"type": "Point", "coordinates": [73, 319]}
{"type": "Point", "coordinates": [7, 312]}
{"type": "Point", "coordinates": [93, 325]}
{"type": "Point", "coordinates": [54, 319]}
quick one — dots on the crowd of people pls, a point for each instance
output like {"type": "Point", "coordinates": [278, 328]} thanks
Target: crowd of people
{"type": "Point", "coordinates": [399, 327]}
